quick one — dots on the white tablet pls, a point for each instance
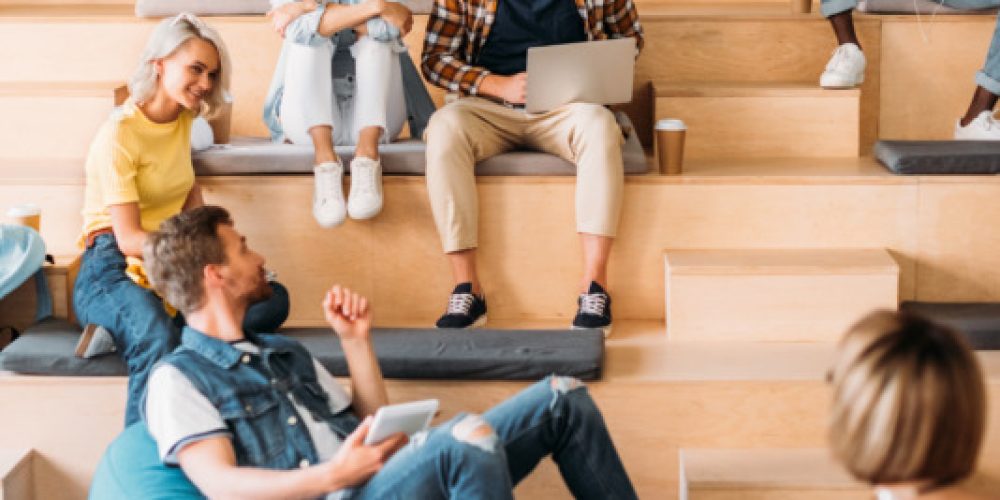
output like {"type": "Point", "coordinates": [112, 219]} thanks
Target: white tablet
{"type": "Point", "coordinates": [409, 418]}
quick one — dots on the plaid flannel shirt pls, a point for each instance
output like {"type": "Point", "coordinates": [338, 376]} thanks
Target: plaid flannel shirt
{"type": "Point", "coordinates": [458, 29]}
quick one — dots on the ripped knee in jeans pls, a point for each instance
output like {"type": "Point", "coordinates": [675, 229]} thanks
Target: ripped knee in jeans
{"type": "Point", "coordinates": [474, 430]}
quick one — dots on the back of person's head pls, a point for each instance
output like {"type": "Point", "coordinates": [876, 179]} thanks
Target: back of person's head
{"type": "Point", "coordinates": [168, 36]}
{"type": "Point", "coordinates": [175, 256]}
{"type": "Point", "coordinates": [909, 403]}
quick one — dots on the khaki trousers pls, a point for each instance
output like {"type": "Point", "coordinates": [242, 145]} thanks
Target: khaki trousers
{"type": "Point", "coordinates": [472, 129]}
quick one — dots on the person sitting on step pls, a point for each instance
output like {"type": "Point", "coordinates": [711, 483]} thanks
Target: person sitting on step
{"type": "Point", "coordinates": [846, 69]}
{"type": "Point", "coordinates": [330, 90]}
{"type": "Point", "coordinates": [478, 49]}
{"type": "Point", "coordinates": [909, 408]}
{"type": "Point", "coordinates": [249, 415]}
{"type": "Point", "coordinates": [139, 173]}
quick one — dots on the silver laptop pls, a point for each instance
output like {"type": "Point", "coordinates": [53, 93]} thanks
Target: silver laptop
{"type": "Point", "coordinates": [595, 72]}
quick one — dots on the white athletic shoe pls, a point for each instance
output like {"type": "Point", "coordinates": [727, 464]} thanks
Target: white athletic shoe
{"type": "Point", "coordinates": [846, 68]}
{"type": "Point", "coordinates": [365, 200]}
{"type": "Point", "coordinates": [328, 194]}
{"type": "Point", "coordinates": [984, 128]}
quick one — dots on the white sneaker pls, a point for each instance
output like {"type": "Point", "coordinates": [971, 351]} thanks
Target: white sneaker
{"type": "Point", "coordinates": [365, 200]}
{"type": "Point", "coordinates": [983, 128]}
{"type": "Point", "coordinates": [846, 68]}
{"type": "Point", "coordinates": [328, 194]}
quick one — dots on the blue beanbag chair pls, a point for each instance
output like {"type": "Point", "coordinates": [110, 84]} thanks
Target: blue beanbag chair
{"type": "Point", "coordinates": [131, 468]}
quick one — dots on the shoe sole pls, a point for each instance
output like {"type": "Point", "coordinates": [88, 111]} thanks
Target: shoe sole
{"type": "Point", "coordinates": [85, 338]}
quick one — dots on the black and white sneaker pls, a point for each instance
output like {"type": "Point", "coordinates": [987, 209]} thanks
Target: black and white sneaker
{"type": "Point", "coordinates": [594, 309]}
{"type": "Point", "coordinates": [465, 309]}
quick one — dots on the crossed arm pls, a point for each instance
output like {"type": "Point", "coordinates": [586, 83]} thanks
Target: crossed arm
{"type": "Point", "coordinates": [336, 17]}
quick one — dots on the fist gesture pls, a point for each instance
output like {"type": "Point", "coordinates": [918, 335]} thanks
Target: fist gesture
{"type": "Point", "coordinates": [347, 313]}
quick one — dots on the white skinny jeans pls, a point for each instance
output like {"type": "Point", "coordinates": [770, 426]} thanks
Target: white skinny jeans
{"type": "Point", "coordinates": [309, 99]}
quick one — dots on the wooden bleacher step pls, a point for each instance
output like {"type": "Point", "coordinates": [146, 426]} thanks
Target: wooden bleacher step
{"type": "Point", "coordinates": [775, 295]}
{"type": "Point", "coordinates": [756, 120]}
{"type": "Point", "coordinates": [765, 474]}
{"type": "Point", "coordinates": [16, 480]}
{"type": "Point", "coordinates": [55, 120]}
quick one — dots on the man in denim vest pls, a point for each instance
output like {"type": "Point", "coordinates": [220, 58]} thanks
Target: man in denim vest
{"type": "Point", "coordinates": [255, 416]}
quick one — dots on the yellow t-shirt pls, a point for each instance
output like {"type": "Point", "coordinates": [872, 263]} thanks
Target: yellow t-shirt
{"type": "Point", "coordinates": [133, 159]}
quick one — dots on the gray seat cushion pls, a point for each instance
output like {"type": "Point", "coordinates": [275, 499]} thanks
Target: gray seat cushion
{"type": "Point", "coordinates": [939, 157]}
{"type": "Point", "coordinates": [404, 353]}
{"type": "Point", "coordinates": [913, 7]}
{"type": "Point", "coordinates": [979, 322]}
{"type": "Point", "coordinates": [255, 156]}
{"type": "Point", "coordinates": [164, 8]}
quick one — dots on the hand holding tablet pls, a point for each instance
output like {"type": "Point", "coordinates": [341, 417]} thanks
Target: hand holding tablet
{"type": "Point", "coordinates": [408, 418]}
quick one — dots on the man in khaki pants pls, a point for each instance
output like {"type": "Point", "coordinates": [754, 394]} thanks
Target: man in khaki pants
{"type": "Point", "coordinates": [478, 49]}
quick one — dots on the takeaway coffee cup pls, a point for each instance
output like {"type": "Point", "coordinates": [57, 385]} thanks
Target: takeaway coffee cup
{"type": "Point", "coordinates": [670, 145]}
{"type": "Point", "coordinates": [27, 214]}
{"type": "Point", "coordinates": [221, 123]}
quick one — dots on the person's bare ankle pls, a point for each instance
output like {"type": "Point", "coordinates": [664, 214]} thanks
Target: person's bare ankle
{"type": "Point", "coordinates": [327, 158]}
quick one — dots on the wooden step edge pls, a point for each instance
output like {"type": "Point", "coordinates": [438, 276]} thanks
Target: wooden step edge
{"type": "Point", "coordinates": [685, 262]}
{"type": "Point", "coordinates": [110, 89]}
{"type": "Point", "coordinates": [16, 474]}
{"type": "Point", "coordinates": [766, 468]}
{"type": "Point", "coordinates": [761, 90]}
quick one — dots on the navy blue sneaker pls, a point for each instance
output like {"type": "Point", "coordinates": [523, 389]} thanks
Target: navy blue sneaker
{"type": "Point", "coordinates": [465, 309]}
{"type": "Point", "coordinates": [594, 309]}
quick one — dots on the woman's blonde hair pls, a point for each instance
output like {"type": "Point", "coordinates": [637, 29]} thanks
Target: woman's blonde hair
{"type": "Point", "coordinates": [909, 402]}
{"type": "Point", "coordinates": [169, 36]}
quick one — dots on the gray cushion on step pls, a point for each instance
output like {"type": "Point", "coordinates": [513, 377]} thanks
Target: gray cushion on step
{"type": "Point", "coordinates": [913, 7]}
{"type": "Point", "coordinates": [979, 322]}
{"type": "Point", "coordinates": [939, 157]}
{"type": "Point", "coordinates": [404, 353]}
{"type": "Point", "coordinates": [255, 156]}
{"type": "Point", "coordinates": [164, 8]}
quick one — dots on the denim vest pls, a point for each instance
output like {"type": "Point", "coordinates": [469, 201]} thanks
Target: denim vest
{"type": "Point", "coordinates": [251, 393]}
{"type": "Point", "coordinates": [419, 105]}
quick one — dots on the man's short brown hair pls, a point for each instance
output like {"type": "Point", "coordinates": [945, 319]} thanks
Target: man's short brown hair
{"type": "Point", "coordinates": [175, 256]}
{"type": "Point", "coordinates": [909, 402]}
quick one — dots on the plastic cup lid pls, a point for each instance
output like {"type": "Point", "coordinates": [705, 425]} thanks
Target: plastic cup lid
{"type": "Point", "coordinates": [25, 210]}
{"type": "Point", "coordinates": [671, 124]}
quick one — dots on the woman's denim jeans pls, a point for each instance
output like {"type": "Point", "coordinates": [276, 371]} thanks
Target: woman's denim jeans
{"type": "Point", "coordinates": [466, 459]}
{"type": "Point", "coordinates": [988, 77]}
{"type": "Point", "coordinates": [143, 332]}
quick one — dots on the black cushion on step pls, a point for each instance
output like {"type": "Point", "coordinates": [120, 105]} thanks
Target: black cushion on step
{"type": "Point", "coordinates": [939, 157]}
{"type": "Point", "coordinates": [979, 322]}
{"type": "Point", "coordinates": [404, 353]}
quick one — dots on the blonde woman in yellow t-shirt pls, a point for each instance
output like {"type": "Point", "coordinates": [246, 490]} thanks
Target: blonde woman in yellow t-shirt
{"type": "Point", "coordinates": [138, 174]}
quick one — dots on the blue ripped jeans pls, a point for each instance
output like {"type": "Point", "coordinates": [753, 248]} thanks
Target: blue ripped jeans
{"type": "Point", "coordinates": [143, 332]}
{"type": "Point", "coordinates": [463, 459]}
{"type": "Point", "coordinates": [988, 77]}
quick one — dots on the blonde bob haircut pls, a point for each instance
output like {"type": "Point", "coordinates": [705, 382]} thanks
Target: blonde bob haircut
{"type": "Point", "coordinates": [170, 35]}
{"type": "Point", "coordinates": [909, 402]}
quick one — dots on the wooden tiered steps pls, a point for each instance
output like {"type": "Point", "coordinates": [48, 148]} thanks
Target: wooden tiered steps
{"type": "Point", "coordinates": [18, 308]}
{"type": "Point", "coordinates": [16, 479]}
{"type": "Point", "coordinates": [657, 396]}
{"type": "Point", "coordinates": [766, 474]}
{"type": "Point", "coordinates": [786, 474]}
{"type": "Point", "coordinates": [753, 120]}
{"type": "Point", "coordinates": [775, 295]}
{"type": "Point", "coordinates": [56, 120]}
